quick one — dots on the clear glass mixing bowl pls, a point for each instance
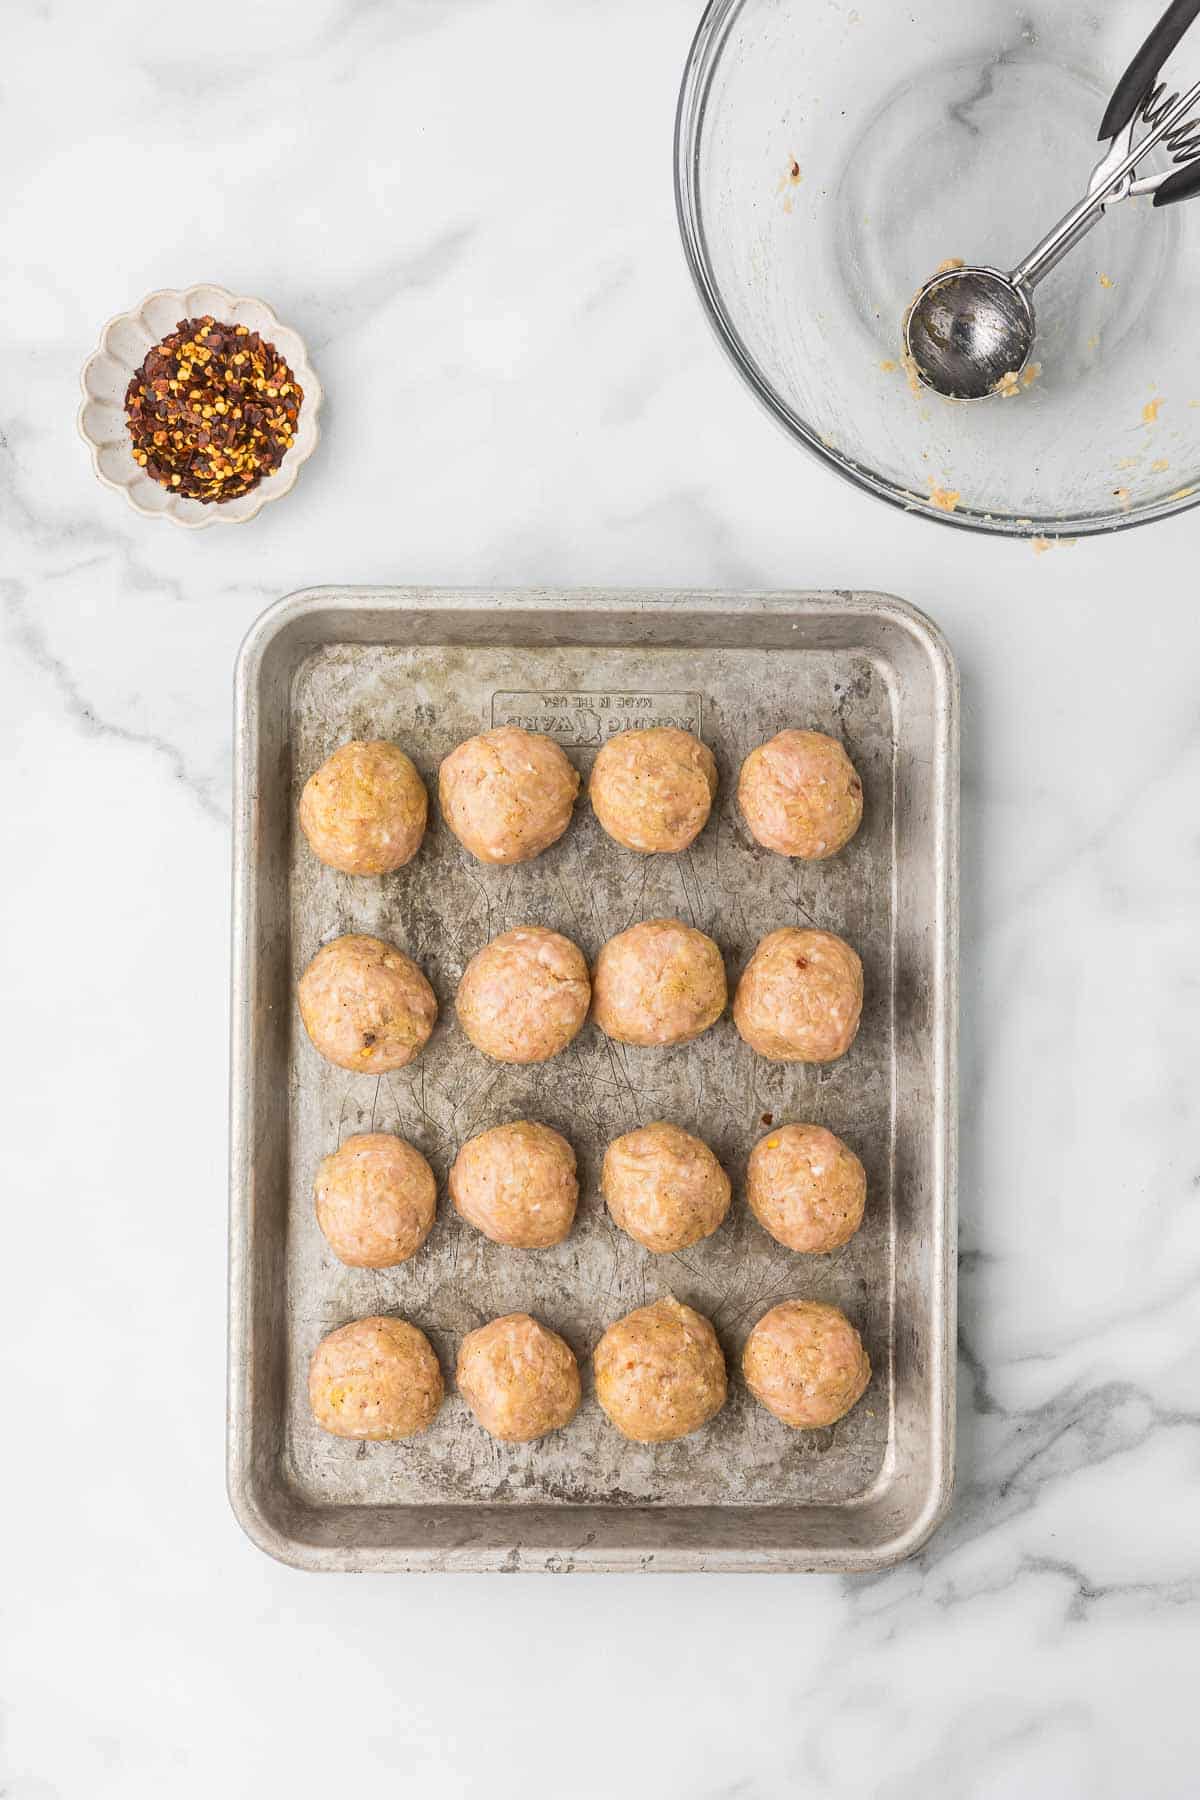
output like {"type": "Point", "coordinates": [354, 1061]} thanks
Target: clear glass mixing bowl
{"type": "Point", "coordinates": [829, 156]}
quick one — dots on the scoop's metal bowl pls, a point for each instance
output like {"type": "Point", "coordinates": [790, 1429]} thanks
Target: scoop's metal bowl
{"type": "Point", "coordinates": [969, 332]}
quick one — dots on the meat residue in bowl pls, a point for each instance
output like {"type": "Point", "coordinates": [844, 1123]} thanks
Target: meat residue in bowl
{"type": "Point", "coordinates": [792, 179]}
{"type": "Point", "coordinates": [1012, 382]}
{"type": "Point", "coordinates": [915, 385]}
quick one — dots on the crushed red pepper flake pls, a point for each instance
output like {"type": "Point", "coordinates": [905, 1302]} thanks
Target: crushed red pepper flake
{"type": "Point", "coordinates": [212, 410]}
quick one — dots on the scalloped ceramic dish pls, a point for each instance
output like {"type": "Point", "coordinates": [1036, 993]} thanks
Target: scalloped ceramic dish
{"type": "Point", "coordinates": [108, 371]}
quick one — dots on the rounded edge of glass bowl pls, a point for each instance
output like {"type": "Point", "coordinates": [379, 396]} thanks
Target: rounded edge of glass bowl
{"type": "Point", "coordinates": [715, 22]}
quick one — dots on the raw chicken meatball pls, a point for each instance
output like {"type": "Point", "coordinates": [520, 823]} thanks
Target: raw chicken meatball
{"type": "Point", "coordinates": [800, 794]}
{"type": "Point", "coordinates": [660, 1372]}
{"type": "Point", "coordinates": [376, 1200]}
{"type": "Point", "coordinates": [806, 1188]}
{"type": "Point", "coordinates": [364, 810]}
{"type": "Point", "coordinates": [653, 790]}
{"type": "Point", "coordinates": [517, 1184]}
{"type": "Point", "coordinates": [519, 1379]}
{"type": "Point", "coordinates": [800, 998]}
{"type": "Point", "coordinates": [376, 1378]}
{"type": "Point", "coordinates": [508, 794]}
{"type": "Point", "coordinates": [664, 1187]}
{"type": "Point", "coordinates": [365, 1005]}
{"type": "Point", "coordinates": [806, 1363]}
{"type": "Point", "coordinates": [523, 997]}
{"type": "Point", "coordinates": [660, 982]}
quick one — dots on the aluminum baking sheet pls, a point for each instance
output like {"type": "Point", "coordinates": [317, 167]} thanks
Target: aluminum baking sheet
{"type": "Point", "coordinates": [429, 668]}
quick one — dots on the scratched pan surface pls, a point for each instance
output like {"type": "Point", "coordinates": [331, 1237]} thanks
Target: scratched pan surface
{"type": "Point", "coordinates": [428, 669]}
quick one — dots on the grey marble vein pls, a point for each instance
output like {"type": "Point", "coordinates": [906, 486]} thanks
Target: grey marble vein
{"type": "Point", "coordinates": [23, 637]}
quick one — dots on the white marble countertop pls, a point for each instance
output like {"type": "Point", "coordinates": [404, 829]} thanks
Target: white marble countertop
{"type": "Point", "coordinates": [521, 389]}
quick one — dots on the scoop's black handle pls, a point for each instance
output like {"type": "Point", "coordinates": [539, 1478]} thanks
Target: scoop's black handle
{"type": "Point", "coordinates": [1139, 78]}
{"type": "Point", "coordinates": [1180, 186]}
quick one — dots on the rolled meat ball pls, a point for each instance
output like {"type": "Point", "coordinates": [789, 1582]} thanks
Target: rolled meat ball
{"type": "Point", "coordinates": [520, 1379]}
{"type": "Point", "coordinates": [508, 794]}
{"type": "Point", "coordinates": [364, 810]}
{"type": "Point", "coordinates": [800, 998]}
{"type": "Point", "coordinates": [653, 790]}
{"type": "Point", "coordinates": [805, 1362]}
{"type": "Point", "coordinates": [365, 1005]}
{"type": "Point", "coordinates": [517, 1184]}
{"type": "Point", "coordinates": [806, 1188]}
{"type": "Point", "coordinates": [801, 795]}
{"type": "Point", "coordinates": [659, 983]}
{"type": "Point", "coordinates": [524, 996]}
{"type": "Point", "coordinates": [664, 1187]}
{"type": "Point", "coordinates": [376, 1379]}
{"type": "Point", "coordinates": [376, 1199]}
{"type": "Point", "coordinates": [660, 1372]}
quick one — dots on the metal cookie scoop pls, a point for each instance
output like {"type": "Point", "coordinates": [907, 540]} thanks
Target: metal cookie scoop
{"type": "Point", "coordinates": [970, 329]}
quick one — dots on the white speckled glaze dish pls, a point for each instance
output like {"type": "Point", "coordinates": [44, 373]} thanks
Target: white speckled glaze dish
{"type": "Point", "coordinates": [107, 374]}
